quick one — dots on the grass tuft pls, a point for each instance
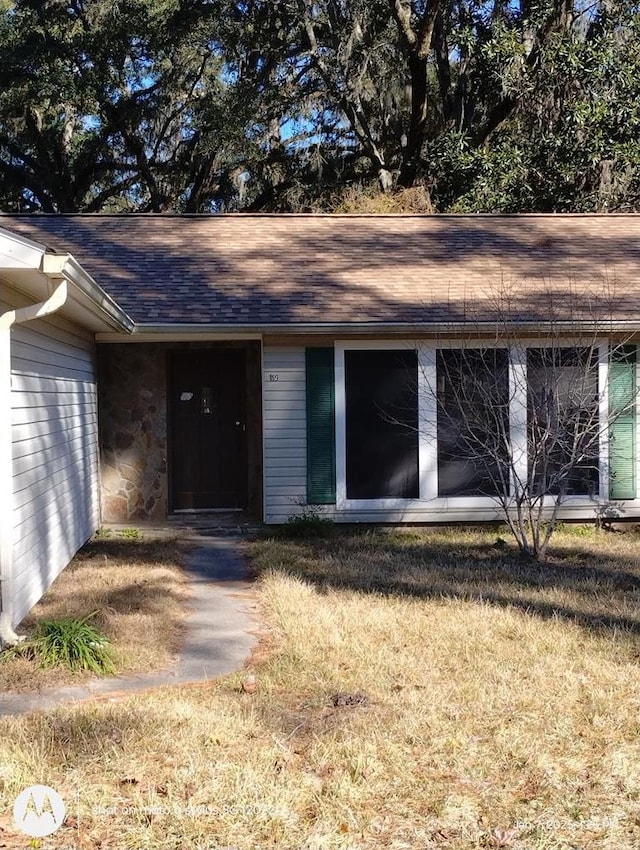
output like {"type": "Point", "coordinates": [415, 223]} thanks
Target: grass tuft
{"type": "Point", "coordinates": [140, 593]}
{"type": "Point", "coordinates": [70, 643]}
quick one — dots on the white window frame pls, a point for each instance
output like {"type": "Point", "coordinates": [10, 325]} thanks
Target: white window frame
{"type": "Point", "coordinates": [342, 502]}
{"type": "Point", "coordinates": [427, 423]}
{"type": "Point", "coordinates": [583, 500]}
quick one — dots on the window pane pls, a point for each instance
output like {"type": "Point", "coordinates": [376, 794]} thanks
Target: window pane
{"type": "Point", "coordinates": [473, 422]}
{"type": "Point", "coordinates": [382, 424]}
{"type": "Point", "coordinates": [562, 420]}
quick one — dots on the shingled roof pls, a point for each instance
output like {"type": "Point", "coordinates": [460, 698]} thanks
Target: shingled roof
{"type": "Point", "coordinates": [298, 270]}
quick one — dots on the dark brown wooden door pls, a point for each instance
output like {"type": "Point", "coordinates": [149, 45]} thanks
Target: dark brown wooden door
{"type": "Point", "coordinates": [208, 429]}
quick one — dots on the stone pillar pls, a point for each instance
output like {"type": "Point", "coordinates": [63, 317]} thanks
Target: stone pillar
{"type": "Point", "coordinates": [132, 405]}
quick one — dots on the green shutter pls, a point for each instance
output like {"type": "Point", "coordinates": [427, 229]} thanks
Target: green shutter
{"type": "Point", "coordinates": [321, 442]}
{"type": "Point", "coordinates": [622, 431]}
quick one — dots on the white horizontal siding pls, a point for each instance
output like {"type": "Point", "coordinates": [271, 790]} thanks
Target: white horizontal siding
{"type": "Point", "coordinates": [283, 432]}
{"type": "Point", "coordinates": [285, 436]}
{"type": "Point", "coordinates": [44, 440]}
{"type": "Point", "coordinates": [286, 453]}
{"type": "Point", "coordinates": [438, 515]}
{"type": "Point", "coordinates": [47, 398]}
{"type": "Point", "coordinates": [55, 462]}
{"type": "Point", "coordinates": [60, 499]}
{"type": "Point", "coordinates": [49, 462]}
{"type": "Point", "coordinates": [23, 382]}
{"type": "Point", "coordinates": [43, 413]}
{"type": "Point", "coordinates": [40, 360]}
{"type": "Point", "coordinates": [40, 436]}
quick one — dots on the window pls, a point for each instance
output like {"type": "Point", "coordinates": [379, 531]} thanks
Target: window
{"type": "Point", "coordinates": [473, 422]}
{"type": "Point", "coordinates": [563, 428]}
{"type": "Point", "coordinates": [494, 423]}
{"type": "Point", "coordinates": [381, 396]}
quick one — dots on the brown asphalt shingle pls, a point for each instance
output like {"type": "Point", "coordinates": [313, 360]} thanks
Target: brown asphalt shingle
{"type": "Point", "coordinates": [250, 270]}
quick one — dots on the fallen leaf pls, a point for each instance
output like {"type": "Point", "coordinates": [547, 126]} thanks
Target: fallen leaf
{"type": "Point", "coordinates": [503, 837]}
{"type": "Point", "coordinates": [249, 683]}
{"type": "Point", "coordinates": [342, 699]}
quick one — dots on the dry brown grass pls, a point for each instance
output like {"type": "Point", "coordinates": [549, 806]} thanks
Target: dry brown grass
{"type": "Point", "coordinates": [369, 200]}
{"type": "Point", "coordinates": [139, 592]}
{"type": "Point", "coordinates": [503, 710]}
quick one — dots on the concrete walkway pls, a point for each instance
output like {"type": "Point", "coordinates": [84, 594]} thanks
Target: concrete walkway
{"type": "Point", "coordinates": [218, 638]}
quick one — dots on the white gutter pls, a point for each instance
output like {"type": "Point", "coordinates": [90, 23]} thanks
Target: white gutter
{"type": "Point", "coordinates": [84, 287]}
{"type": "Point", "coordinates": [7, 320]}
{"type": "Point", "coordinates": [18, 252]}
{"type": "Point", "coordinates": [143, 332]}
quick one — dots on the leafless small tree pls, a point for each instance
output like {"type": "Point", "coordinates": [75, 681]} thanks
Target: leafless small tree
{"type": "Point", "coordinates": [522, 415]}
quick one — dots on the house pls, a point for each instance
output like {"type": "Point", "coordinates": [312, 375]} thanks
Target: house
{"type": "Point", "coordinates": [266, 363]}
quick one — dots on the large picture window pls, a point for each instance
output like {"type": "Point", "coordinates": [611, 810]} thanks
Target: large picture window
{"type": "Point", "coordinates": [480, 423]}
{"type": "Point", "coordinates": [473, 422]}
{"type": "Point", "coordinates": [381, 398]}
{"type": "Point", "coordinates": [563, 426]}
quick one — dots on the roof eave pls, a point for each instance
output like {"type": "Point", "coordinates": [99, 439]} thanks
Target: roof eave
{"type": "Point", "coordinates": [144, 331]}
{"type": "Point", "coordinates": [88, 295]}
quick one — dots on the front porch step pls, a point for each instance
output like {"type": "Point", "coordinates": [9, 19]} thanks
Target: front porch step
{"type": "Point", "coordinates": [215, 522]}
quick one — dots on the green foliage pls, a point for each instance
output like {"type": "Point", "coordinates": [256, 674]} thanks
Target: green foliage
{"type": "Point", "coordinates": [71, 643]}
{"type": "Point", "coordinates": [130, 534]}
{"type": "Point", "coordinates": [102, 105]}
{"type": "Point", "coordinates": [158, 105]}
{"type": "Point", "coordinates": [573, 529]}
{"type": "Point", "coordinates": [572, 143]}
{"type": "Point", "coordinates": [310, 523]}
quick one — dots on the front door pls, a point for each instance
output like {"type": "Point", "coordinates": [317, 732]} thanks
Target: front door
{"type": "Point", "coordinates": [208, 429]}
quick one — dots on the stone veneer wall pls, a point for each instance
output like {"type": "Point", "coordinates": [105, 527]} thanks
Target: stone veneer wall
{"type": "Point", "coordinates": [132, 404]}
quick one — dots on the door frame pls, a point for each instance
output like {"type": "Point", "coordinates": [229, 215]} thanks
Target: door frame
{"type": "Point", "coordinates": [253, 441]}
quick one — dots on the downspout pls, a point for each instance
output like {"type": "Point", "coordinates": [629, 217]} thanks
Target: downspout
{"type": "Point", "coordinates": [7, 320]}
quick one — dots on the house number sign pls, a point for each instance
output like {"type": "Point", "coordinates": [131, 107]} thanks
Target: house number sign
{"type": "Point", "coordinates": [273, 377]}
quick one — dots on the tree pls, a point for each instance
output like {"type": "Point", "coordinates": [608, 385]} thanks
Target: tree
{"type": "Point", "coordinates": [572, 142]}
{"type": "Point", "coordinates": [115, 107]}
{"type": "Point", "coordinates": [525, 422]}
{"type": "Point", "coordinates": [287, 105]}
{"type": "Point", "coordinates": [495, 106]}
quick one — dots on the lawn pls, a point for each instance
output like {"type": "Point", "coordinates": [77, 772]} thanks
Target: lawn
{"type": "Point", "coordinates": [137, 590]}
{"type": "Point", "coordinates": [413, 690]}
